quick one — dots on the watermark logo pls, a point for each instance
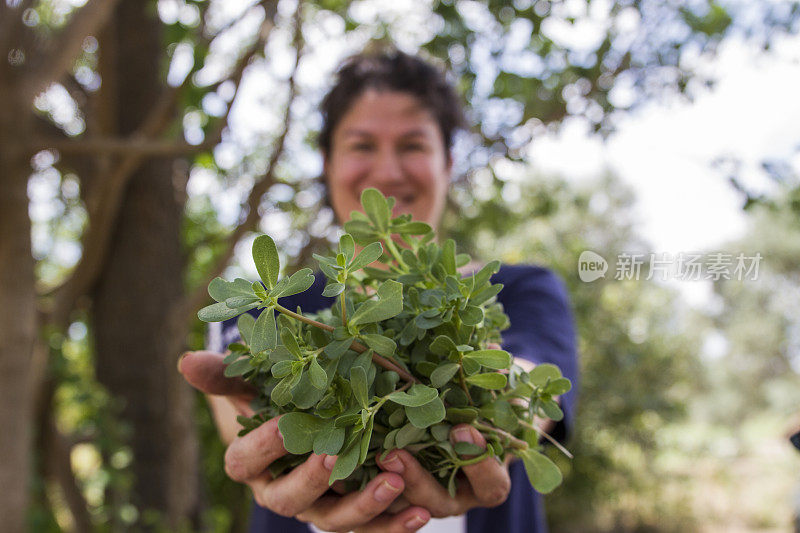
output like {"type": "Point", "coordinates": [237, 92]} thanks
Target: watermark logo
{"type": "Point", "coordinates": [683, 266]}
{"type": "Point", "coordinates": [591, 266]}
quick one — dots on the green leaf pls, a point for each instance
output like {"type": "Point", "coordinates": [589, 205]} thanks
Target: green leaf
{"type": "Point", "coordinates": [319, 379]}
{"type": "Point", "coordinates": [449, 256]}
{"type": "Point", "coordinates": [220, 312]}
{"type": "Point", "coordinates": [502, 414]}
{"type": "Point", "coordinates": [221, 290]}
{"type": "Point", "coordinates": [542, 373]}
{"type": "Point", "coordinates": [358, 380]}
{"type": "Point", "coordinates": [471, 315]}
{"type": "Point", "coordinates": [336, 349]}
{"type": "Point", "coordinates": [298, 431]}
{"type": "Point", "coordinates": [379, 343]}
{"type": "Point", "coordinates": [417, 395]}
{"type": "Point", "coordinates": [376, 208]}
{"type": "Point", "coordinates": [411, 228]}
{"type": "Point", "coordinates": [467, 448]}
{"type": "Point", "coordinates": [347, 246]}
{"type": "Point", "coordinates": [443, 374]}
{"type": "Point", "coordinates": [543, 474]}
{"type": "Point", "coordinates": [282, 369]}
{"type": "Point", "coordinates": [558, 386]}
{"type": "Point", "coordinates": [426, 415]}
{"type": "Point", "coordinates": [365, 438]}
{"type": "Point", "coordinates": [290, 342]}
{"type": "Point", "coordinates": [552, 410]}
{"type": "Point", "coordinates": [461, 415]}
{"type": "Point", "coordinates": [298, 282]}
{"type": "Point", "coordinates": [368, 255]}
{"type": "Point", "coordinates": [346, 463]}
{"type": "Point", "coordinates": [441, 432]}
{"type": "Point", "coordinates": [486, 294]}
{"type": "Point", "coordinates": [388, 304]}
{"type": "Point", "coordinates": [304, 394]}
{"type": "Point", "coordinates": [408, 434]}
{"type": "Point", "coordinates": [329, 439]}
{"type": "Point", "coordinates": [442, 346]}
{"type": "Point", "coordinates": [238, 367]}
{"type": "Point", "coordinates": [361, 230]}
{"type": "Point", "coordinates": [240, 301]}
{"type": "Point", "coordinates": [265, 255]}
{"type": "Point", "coordinates": [491, 380]}
{"type": "Point", "coordinates": [265, 334]}
{"type": "Point", "coordinates": [245, 324]}
{"type": "Point", "coordinates": [282, 393]}
{"type": "Point", "coordinates": [333, 289]}
{"type": "Point", "coordinates": [496, 359]}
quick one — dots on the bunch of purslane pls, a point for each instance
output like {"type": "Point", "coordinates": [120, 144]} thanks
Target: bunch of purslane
{"type": "Point", "coordinates": [398, 359]}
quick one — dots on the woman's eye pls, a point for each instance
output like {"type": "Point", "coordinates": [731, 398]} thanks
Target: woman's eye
{"type": "Point", "coordinates": [413, 147]}
{"type": "Point", "coordinates": [362, 147]}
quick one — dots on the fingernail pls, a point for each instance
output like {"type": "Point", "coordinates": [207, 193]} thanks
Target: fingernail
{"type": "Point", "coordinates": [386, 492]}
{"type": "Point", "coordinates": [415, 523]}
{"type": "Point", "coordinates": [184, 354]}
{"type": "Point", "coordinates": [463, 435]}
{"type": "Point", "coordinates": [392, 463]}
{"type": "Point", "coordinates": [329, 461]}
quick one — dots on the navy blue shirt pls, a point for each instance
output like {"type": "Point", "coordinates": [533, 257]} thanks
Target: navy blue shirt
{"type": "Point", "coordinates": [541, 331]}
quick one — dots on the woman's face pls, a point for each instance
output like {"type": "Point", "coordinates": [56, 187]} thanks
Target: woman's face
{"type": "Point", "coordinates": [388, 141]}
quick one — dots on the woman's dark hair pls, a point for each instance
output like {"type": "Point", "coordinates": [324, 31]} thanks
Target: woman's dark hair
{"type": "Point", "coordinates": [394, 71]}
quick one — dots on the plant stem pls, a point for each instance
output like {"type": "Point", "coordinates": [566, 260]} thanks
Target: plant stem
{"type": "Point", "coordinates": [356, 346]}
{"type": "Point", "coordinates": [463, 381]}
{"type": "Point", "coordinates": [513, 441]}
{"type": "Point", "coordinates": [394, 251]}
{"type": "Point", "coordinates": [301, 318]}
{"type": "Point", "coordinates": [547, 436]}
{"type": "Point", "coordinates": [344, 310]}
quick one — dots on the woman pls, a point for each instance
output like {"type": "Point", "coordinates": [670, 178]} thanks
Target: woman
{"type": "Point", "coordinates": [389, 123]}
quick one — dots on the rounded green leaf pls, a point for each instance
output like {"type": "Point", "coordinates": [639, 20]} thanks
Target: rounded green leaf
{"type": "Point", "coordinates": [443, 374]}
{"type": "Point", "coordinates": [426, 415]}
{"type": "Point", "coordinates": [491, 380]}
{"type": "Point", "coordinates": [417, 395]}
{"type": "Point", "coordinates": [319, 379]}
{"type": "Point", "coordinates": [346, 463]}
{"type": "Point", "coordinates": [368, 255]}
{"type": "Point", "coordinates": [298, 431]}
{"type": "Point", "coordinates": [376, 208]}
{"type": "Point", "coordinates": [543, 474]}
{"type": "Point", "coordinates": [542, 373]}
{"type": "Point", "coordinates": [265, 255]}
{"type": "Point", "coordinates": [496, 359]}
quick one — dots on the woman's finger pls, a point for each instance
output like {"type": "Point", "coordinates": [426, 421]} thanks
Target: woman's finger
{"type": "Point", "coordinates": [249, 456]}
{"type": "Point", "coordinates": [344, 513]}
{"type": "Point", "coordinates": [295, 491]}
{"type": "Point", "coordinates": [205, 371]}
{"type": "Point", "coordinates": [410, 519]}
{"type": "Point", "coordinates": [422, 489]}
{"type": "Point", "coordinates": [489, 478]}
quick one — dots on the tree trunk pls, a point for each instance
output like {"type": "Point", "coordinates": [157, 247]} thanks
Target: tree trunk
{"type": "Point", "coordinates": [142, 278]}
{"type": "Point", "coordinates": [17, 315]}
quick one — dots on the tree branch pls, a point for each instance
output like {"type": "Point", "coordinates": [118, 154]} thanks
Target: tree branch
{"type": "Point", "coordinates": [105, 203]}
{"type": "Point", "coordinates": [56, 57]}
{"type": "Point", "coordinates": [195, 300]}
{"type": "Point", "coordinates": [132, 146]}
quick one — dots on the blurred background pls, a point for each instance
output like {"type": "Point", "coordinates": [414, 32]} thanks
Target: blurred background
{"type": "Point", "coordinates": [143, 143]}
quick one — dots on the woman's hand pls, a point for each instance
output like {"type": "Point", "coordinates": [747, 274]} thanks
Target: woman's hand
{"type": "Point", "coordinates": [487, 482]}
{"type": "Point", "coordinates": [303, 492]}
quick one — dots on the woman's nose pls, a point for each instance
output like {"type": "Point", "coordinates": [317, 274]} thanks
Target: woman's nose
{"type": "Point", "coordinates": [388, 167]}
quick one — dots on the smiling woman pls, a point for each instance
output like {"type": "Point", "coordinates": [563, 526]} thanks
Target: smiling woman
{"type": "Point", "coordinates": [389, 123]}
